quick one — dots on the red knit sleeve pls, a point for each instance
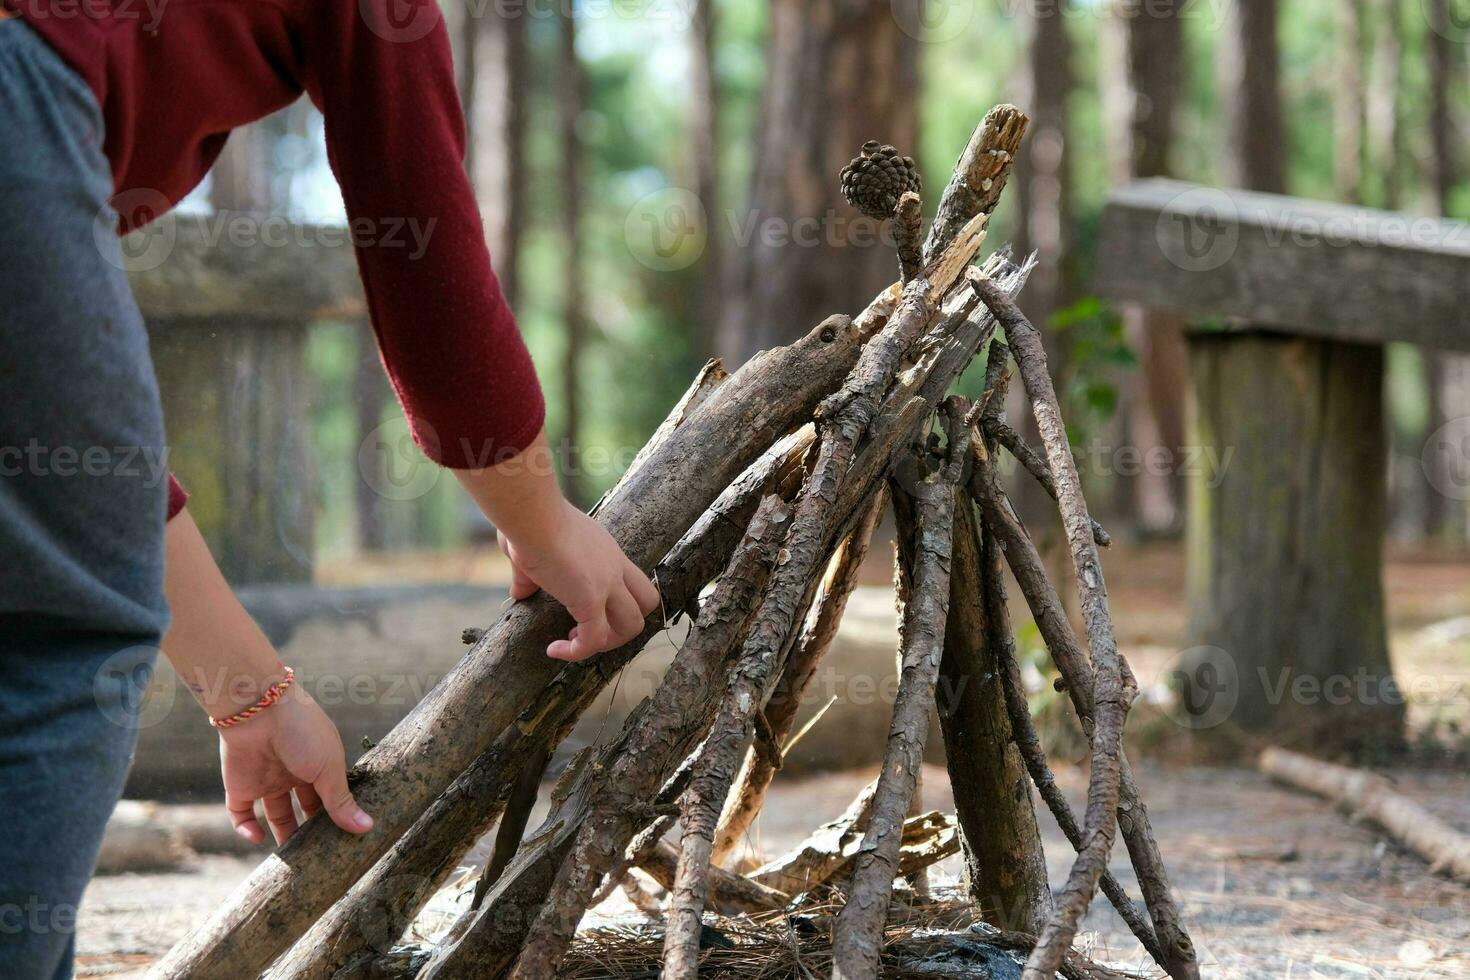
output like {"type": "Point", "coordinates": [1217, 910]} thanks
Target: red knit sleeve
{"type": "Point", "coordinates": [380, 70]}
{"type": "Point", "coordinates": [177, 497]}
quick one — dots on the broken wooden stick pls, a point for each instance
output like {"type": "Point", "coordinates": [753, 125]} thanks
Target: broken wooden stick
{"type": "Point", "coordinates": [729, 893]}
{"type": "Point", "coordinates": [858, 937]}
{"type": "Point", "coordinates": [1368, 796]}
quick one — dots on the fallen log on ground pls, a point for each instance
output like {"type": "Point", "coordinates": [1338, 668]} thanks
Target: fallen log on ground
{"type": "Point", "coordinates": [777, 475]}
{"type": "Point", "coordinates": [1368, 796]}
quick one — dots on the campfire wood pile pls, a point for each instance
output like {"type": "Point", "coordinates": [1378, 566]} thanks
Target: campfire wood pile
{"type": "Point", "coordinates": [753, 506]}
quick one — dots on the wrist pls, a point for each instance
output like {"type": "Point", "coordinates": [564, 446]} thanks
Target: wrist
{"type": "Point", "coordinates": [521, 497]}
{"type": "Point", "coordinates": [224, 690]}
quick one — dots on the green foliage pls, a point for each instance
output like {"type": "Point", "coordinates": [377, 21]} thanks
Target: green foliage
{"type": "Point", "coordinates": [1097, 354]}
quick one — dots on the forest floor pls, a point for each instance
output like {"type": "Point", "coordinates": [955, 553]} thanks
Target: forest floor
{"type": "Point", "coordinates": [1274, 883]}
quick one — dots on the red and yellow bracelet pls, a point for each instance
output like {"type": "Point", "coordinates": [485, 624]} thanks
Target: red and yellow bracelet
{"type": "Point", "coordinates": [272, 694]}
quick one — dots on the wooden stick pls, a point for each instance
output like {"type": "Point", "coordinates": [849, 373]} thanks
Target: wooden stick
{"type": "Point", "coordinates": [1371, 797]}
{"type": "Point", "coordinates": [858, 935]}
{"type": "Point", "coordinates": [801, 666]}
{"type": "Point", "coordinates": [907, 228]}
{"type": "Point", "coordinates": [821, 855]}
{"type": "Point", "coordinates": [979, 177]}
{"type": "Point", "coordinates": [1110, 699]}
{"type": "Point", "coordinates": [1007, 863]}
{"type": "Point", "coordinates": [729, 893]}
{"type": "Point", "coordinates": [513, 822]}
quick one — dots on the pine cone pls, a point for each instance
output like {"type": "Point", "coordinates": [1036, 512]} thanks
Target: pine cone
{"type": "Point", "coordinates": [874, 181]}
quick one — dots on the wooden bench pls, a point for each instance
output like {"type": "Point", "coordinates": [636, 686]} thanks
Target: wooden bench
{"type": "Point", "coordinates": [1295, 300]}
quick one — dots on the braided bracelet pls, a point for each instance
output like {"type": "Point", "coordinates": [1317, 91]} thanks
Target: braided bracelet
{"type": "Point", "coordinates": [271, 696]}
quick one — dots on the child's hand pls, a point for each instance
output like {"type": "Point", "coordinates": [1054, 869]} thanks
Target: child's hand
{"type": "Point", "coordinates": [583, 568]}
{"type": "Point", "coordinates": [290, 746]}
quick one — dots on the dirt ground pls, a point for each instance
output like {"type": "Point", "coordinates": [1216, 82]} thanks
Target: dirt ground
{"type": "Point", "coordinates": [1274, 883]}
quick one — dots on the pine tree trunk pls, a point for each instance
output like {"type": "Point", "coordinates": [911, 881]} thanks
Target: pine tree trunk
{"type": "Point", "coordinates": [570, 99]}
{"type": "Point", "coordinates": [839, 72]}
{"type": "Point", "coordinates": [494, 88]}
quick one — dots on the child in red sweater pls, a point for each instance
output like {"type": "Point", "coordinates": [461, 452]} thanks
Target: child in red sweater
{"type": "Point", "coordinates": [110, 101]}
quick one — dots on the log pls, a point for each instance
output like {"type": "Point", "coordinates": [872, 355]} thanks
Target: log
{"type": "Point", "coordinates": [770, 396]}
{"type": "Point", "coordinates": [729, 893]}
{"type": "Point", "coordinates": [137, 840]}
{"type": "Point", "coordinates": [1110, 697]}
{"type": "Point", "coordinates": [858, 934]}
{"type": "Point", "coordinates": [821, 855]}
{"type": "Point", "coordinates": [1368, 796]}
{"type": "Point", "coordinates": [996, 812]}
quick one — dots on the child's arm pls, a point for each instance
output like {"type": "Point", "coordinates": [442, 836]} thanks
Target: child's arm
{"type": "Point", "coordinates": [554, 546]}
{"type": "Point", "coordinates": [228, 663]}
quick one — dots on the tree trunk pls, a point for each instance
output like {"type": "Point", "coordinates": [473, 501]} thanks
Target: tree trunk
{"type": "Point", "coordinates": [1153, 412]}
{"type": "Point", "coordinates": [1385, 129]}
{"type": "Point", "coordinates": [570, 98]}
{"type": "Point", "coordinates": [1349, 102]}
{"type": "Point", "coordinates": [1445, 374]}
{"type": "Point", "coordinates": [1044, 201]}
{"type": "Point", "coordinates": [1285, 582]}
{"type": "Point", "coordinates": [495, 88]}
{"type": "Point", "coordinates": [704, 163]}
{"type": "Point", "coordinates": [839, 72]}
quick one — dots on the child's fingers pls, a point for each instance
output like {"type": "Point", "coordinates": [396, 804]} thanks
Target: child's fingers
{"type": "Point", "coordinates": [340, 805]}
{"type": "Point", "coordinates": [623, 617]}
{"type": "Point", "coordinates": [644, 592]}
{"type": "Point", "coordinates": [242, 815]}
{"type": "Point", "coordinates": [309, 800]}
{"type": "Point", "coordinates": [280, 815]}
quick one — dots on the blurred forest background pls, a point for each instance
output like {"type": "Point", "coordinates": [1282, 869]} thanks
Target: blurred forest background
{"type": "Point", "coordinates": [658, 180]}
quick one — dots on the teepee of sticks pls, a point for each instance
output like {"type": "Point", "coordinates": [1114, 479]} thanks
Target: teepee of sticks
{"type": "Point", "coordinates": [752, 506]}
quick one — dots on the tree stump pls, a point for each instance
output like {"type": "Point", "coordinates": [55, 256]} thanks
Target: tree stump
{"type": "Point", "coordinates": [1285, 540]}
